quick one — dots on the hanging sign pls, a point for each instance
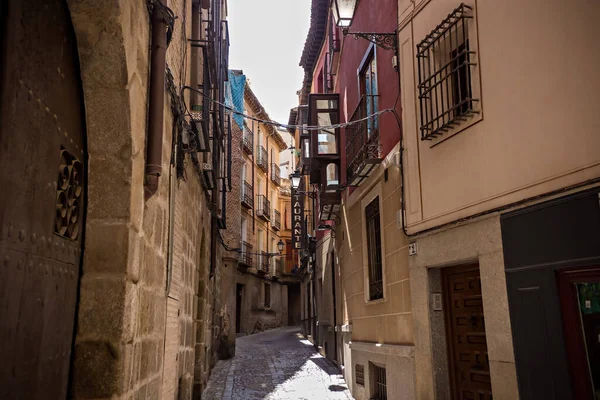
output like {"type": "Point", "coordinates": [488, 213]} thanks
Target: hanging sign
{"type": "Point", "coordinates": [297, 219]}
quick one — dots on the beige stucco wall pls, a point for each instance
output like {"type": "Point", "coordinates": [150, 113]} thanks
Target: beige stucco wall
{"type": "Point", "coordinates": [538, 130]}
{"type": "Point", "coordinates": [381, 330]}
{"type": "Point", "coordinates": [477, 241]}
{"type": "Point", "coordinates": [388, 320]}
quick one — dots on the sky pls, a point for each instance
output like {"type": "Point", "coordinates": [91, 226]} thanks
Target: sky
{"type": "Point", "coordinates": [267, 38]}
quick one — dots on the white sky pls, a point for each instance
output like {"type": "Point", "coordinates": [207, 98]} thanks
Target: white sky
{"type": "Point", "coordinates": [267, 38]}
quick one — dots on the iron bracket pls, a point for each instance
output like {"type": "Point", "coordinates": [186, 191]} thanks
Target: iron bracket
{"type": "Point", "coordinates": [387, 41]}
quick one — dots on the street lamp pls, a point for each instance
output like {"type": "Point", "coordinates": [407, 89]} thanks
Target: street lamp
{"type": "Point", "coordinates": [295, 178]}
{"type": "Point", "coordinates": [280, 246]}
{"type": "Point", "coordinates": [343, 14]}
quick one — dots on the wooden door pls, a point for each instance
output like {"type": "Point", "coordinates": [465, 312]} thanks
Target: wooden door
{"type": "Point", "coordinates": [465, 333]}
{"type": "Point", "coordinates": [42, 176]}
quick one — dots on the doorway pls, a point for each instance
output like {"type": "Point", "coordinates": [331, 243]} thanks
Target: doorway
{"type": "Point", "coordinates": [239, 292]}
{"type": "Point", "coordinates": [42, 209]}
{"type": "Point", "coordinates": [465, 334]}
{"type": "Point", "coordinates": [579, 292]}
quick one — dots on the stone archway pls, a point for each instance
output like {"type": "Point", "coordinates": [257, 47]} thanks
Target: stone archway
{"type": "Point", "coordinates": [113, 43]}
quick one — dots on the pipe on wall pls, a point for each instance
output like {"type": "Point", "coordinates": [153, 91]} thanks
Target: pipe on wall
{"type": "Point", "coordinates": [154, 138]}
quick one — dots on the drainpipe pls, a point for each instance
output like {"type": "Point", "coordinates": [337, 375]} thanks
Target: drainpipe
{"type": "Point", "coordinates": [156, 103]}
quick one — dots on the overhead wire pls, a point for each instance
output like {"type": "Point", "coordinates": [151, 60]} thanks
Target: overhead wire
{"type": "Point", "coordinates": [288, 126]}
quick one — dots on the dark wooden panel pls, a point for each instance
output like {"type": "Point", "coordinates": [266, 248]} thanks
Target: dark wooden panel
{"type": "Point", "coordinates": [42, 170]}
{"type": "Point", "coordinates": [563, 230]}
{"type": "Point", "coordinates": [465, 328]}
{"type": "Point", "coordinates": [538, 341]}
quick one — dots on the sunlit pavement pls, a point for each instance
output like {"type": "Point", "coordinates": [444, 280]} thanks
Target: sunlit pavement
{"type": "Point", "coordinates": [276, 365]}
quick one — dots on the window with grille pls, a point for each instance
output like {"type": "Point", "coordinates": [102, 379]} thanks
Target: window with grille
{"type": "Point", "coordinates": [373, 226]}
{"type": "Point", "coordinates": [379, 383]}
{"type": "Point", "coordinates": [359, 373]}
{"type": "Point", "coordinates": [368, 90]}
{"type": "Point", "coordinates": [267, 295]}
{"type": "Point", "coordinates": [445, 62]}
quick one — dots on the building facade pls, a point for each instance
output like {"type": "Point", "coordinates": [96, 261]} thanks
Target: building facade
{"type": "Point", "coordinates": [501, 172]}
{"type": "Point", "coordinates": [110, 268]}
{"type": "Point", "coordinates": [361, 286]}
{"type": "Point", "coordinates": [257, 298]}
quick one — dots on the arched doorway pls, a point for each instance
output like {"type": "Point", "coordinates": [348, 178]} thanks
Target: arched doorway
{"type": "Point", "coordinates": [42, 207]}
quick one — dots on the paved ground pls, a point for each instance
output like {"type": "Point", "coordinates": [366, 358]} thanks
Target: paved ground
{"type": "Point", "coordinates": [276, 365]}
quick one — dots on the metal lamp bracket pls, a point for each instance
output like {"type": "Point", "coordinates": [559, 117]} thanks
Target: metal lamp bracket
{"type": "Point", "coordinates": [387, 41]}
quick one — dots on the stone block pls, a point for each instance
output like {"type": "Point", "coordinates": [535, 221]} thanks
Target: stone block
{"type": "Point", "coordinates": [97, 370]}
{"type": "Point", "coordinates": [148, 364]}
{"type": "Point", "coordinates": [109, 188]}
{"type": "Point", "coordinates": [153, 389]}
{"type": "Point", "coordinates": [102, 307]}
{"type": "Point", "coordinates": [150, 306]}
{"type": "Point", "coordinates": [106, 247]}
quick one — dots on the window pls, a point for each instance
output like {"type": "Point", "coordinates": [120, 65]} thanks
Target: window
{"type": "Point", "coordinates": [267, 295]}
{"type": "Point", "coordinates": [359, 373]}
{"type": "Point", "coordinates": [332, 174]}
{"type": "Point", "coordinates": [368, 89]}
{"type": "Point", "coordinates": [445, 62]}
{"type": "Point", "coordinates": [379, 387]}
{"type": "Point", "coordinates": [373, 226]}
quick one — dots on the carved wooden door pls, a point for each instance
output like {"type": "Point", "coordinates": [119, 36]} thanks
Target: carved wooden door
{"type": "Point", "coordinates": [42, 178]}
{"type": "Point", "coordinates": [465, 329]}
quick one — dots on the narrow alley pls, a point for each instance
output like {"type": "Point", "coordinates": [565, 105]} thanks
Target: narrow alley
{"type": "Point", "coordinates": [278, 364]}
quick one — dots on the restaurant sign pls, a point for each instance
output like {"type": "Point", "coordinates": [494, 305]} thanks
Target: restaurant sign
{"type": "Point", "coordinates": [297, 219]}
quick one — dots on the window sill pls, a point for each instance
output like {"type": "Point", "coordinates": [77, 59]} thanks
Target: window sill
{"type": "Point", "coordinates": [378, 301]}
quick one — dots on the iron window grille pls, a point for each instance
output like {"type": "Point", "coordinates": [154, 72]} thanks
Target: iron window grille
{"type": "Point", "coordinates": [373, 225]}
{"type": "Point", "coordinates": [262, 158]}
{"type": "Point", "coordinates": [263, 265]}
{"type": "Point", "coordinates": [247, 199]}
{"type": "Point", "coordinates": [247, 141]}
{"type": "Point", "coordinates": [263, 207]}
{"type": "Point", "coordinates": [379, 383]}
{"type": "Point", "coordinates": [359, 374]}
{"type": "Point", "coordinates": [246, 254]}
{"type": "Point", "coordinates": [276, 174]}
{"type": "Point", "coordinates": [445, 61]}
{"type": "Point", "coordinates": [276, 220]}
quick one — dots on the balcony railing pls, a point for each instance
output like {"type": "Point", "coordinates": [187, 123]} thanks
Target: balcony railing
{"type": "Point", "coordinates": [247, 199]}
{"type": "Point", "coordinates": [263, 207]}
{"type": "Point", "coordinates": [262, 159]}
{"type": "Point", "coordinates": [263, 263]}
{"type": "Point", "coordinates": [276, 174]}
{"type": "Point", "coordinates": [279, 265]}
{"type": "Point", "coordinates": [247, 142]}
{"type": "Point", "coordinates": [246, 254]}
{"type": "Point", "coordinates": [363, 151]}
{"type": "Point", "coordinates": [276, 220]}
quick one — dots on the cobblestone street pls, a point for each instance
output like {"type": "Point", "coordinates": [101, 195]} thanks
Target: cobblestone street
{"type": "Point", "coordinates": [276, 365]}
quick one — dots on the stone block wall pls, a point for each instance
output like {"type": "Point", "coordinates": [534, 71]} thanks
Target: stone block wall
{"type": "Point", "coordinates": [133, 339]}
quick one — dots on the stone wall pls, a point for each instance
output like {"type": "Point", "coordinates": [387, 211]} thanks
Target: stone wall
{"type": "Point", "coordinates": [132, 339]}
{"type": "Point", "coordinates": [255, 317]}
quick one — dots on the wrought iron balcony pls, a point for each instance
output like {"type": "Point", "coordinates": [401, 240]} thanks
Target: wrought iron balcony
{"type": "Point", "coordinates": [246, 255]}
{"type": "Point", "coordinates": [247, 200]}
{"type": "Point", "coordinates": [263, 207]}
{"type": "Point", "coordinates": [263, 264]}
{"type": "Point", "coordinates": [262, 158]}
{"type": "Point", "coordinates": [276, 221]}
{"type": "Point", "coordinates": [276, 174]}
{"type": "Point", "coordinates": [363, 151]}
{"type": "Point", "coordinates": [247, 142]}
{"type": "Point", "coordinates": [279, 265]}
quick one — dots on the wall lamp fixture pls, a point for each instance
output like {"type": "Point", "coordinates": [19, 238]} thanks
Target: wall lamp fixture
{"type": "Point", "coordinates": [343, 14]}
